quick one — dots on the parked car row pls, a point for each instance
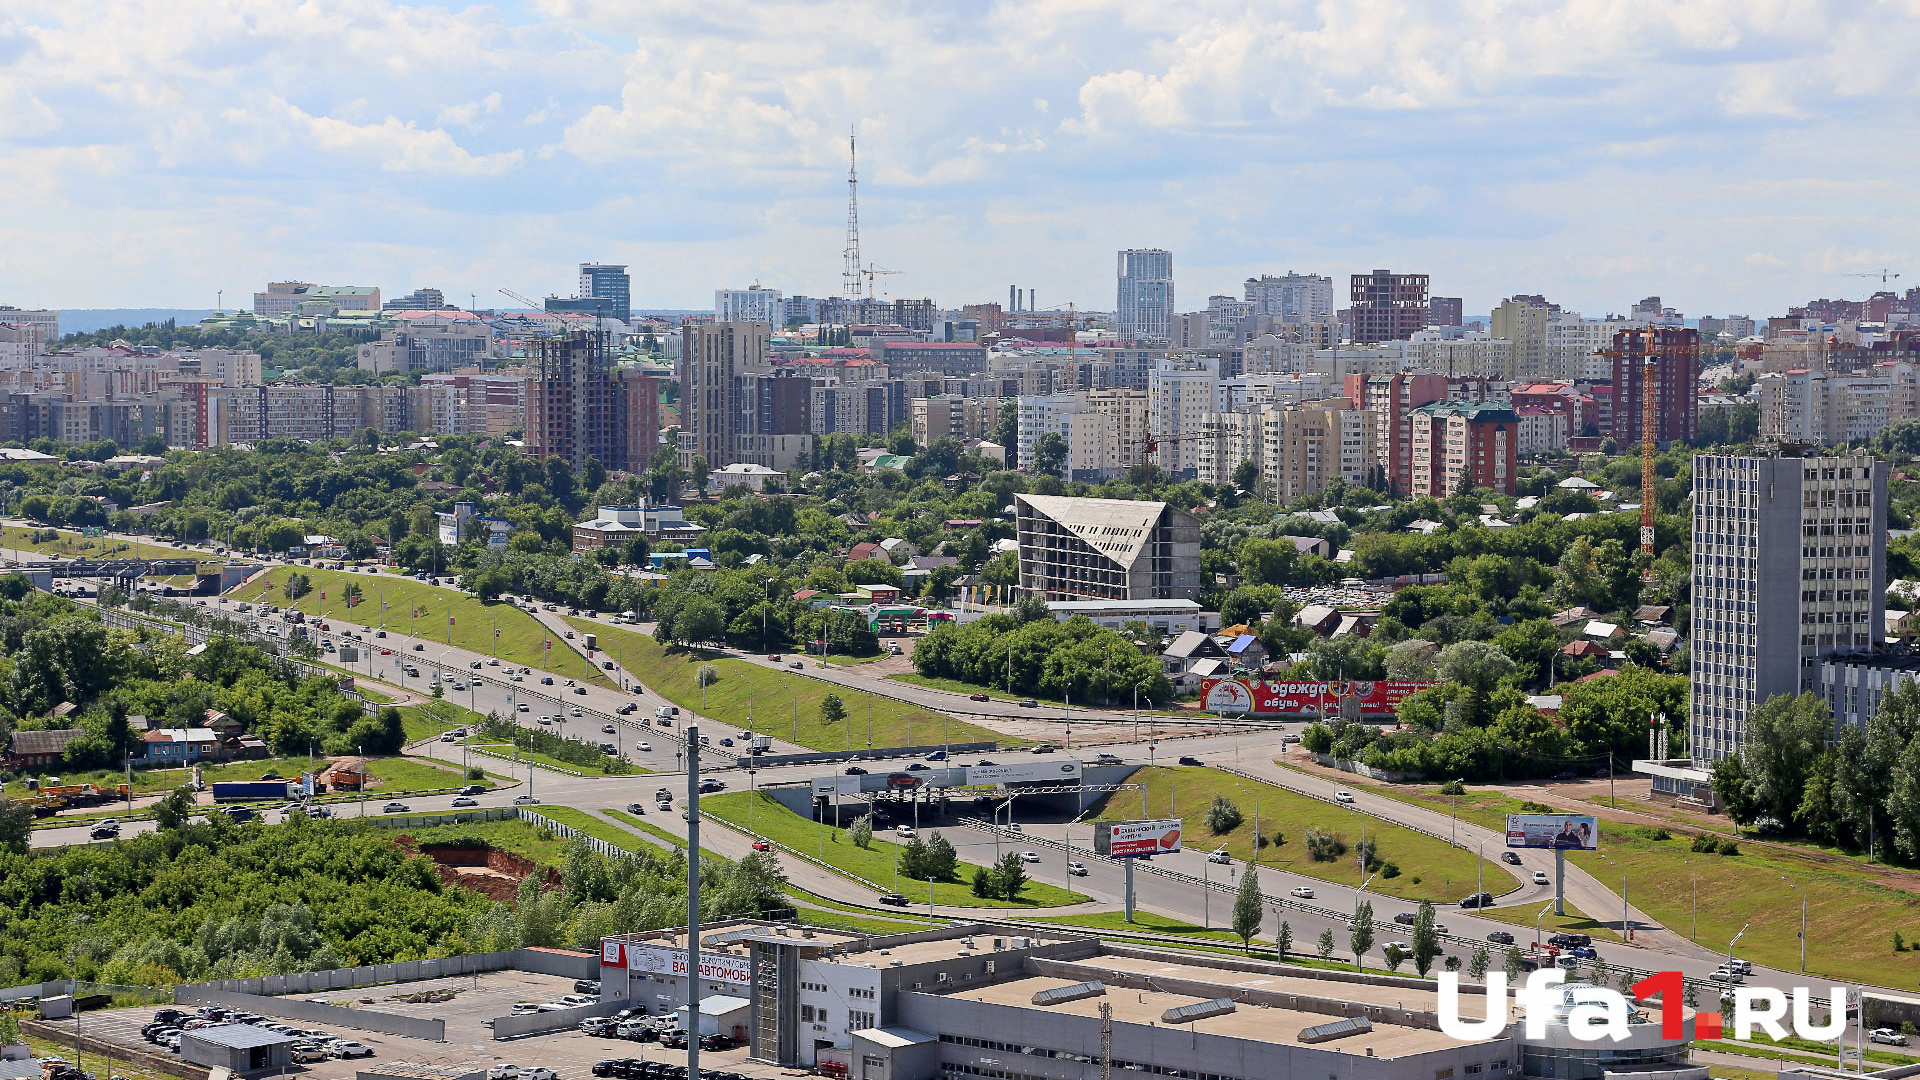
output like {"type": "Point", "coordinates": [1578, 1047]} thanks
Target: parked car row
{"type": "Point", "coordinates": [309, 1044]}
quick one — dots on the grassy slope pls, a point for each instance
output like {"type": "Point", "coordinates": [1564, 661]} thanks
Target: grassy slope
{"type": "Point", "coordinates": [521, 635]}
{"type": "Point", "coordinates": [674, 673]}
{"type": "Point", "coordinates": [71, 545]}
{"type": "Point", "coordinates": [594, 827]}
{"type": "Point", "coordinates": [1429, 868]}
{"type": "Point", "coordinates": [876, 863]}
{"type": "Point", "coordinates": [543, 846]}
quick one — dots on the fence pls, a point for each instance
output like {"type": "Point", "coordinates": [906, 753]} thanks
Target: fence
{"type": "Point", "coordinates": [412, 1027]}
{"type": "Point", "coordinates": [536, 1023]}
{"type": "Point", "coordinates": [571, 833]}
{"type": "Point", "coordinates": [83, 988]}
{"type": "Point", "coordinates": [309, 982]}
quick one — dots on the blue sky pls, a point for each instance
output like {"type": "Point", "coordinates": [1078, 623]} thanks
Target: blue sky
{"type": "Point", "coordinates": [1727, 155]}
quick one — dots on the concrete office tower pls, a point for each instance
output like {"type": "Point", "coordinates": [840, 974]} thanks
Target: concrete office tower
{"type": "Point", "coordinates": [1675, 353]}
{"type": "Point", "coordinates": [1290, 294]}
{"type": "Point", "coordinates": [712, 414]}
{"type": "Point", "coordinates": [1523, 322]}
{"type": "Point", "coordinates": [609, 282]}
{"type": "Point", "coordinates": [1144, 308]}
{"type": "Point", "coordinates": [1387, 306]}
{"type": "Point", "coordinates": [1106, 549]}
{"type": "Point", "coordinates": [1789, 566]}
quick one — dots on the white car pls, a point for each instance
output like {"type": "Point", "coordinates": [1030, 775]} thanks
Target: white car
{"type": "Point", "coordinates": [1077, 869]}
{"type": "Point", "coordinates": [1342, 795]}
{"type": "Point", "coordinates": [1540, 877]}
{"type": "Point", "coordinates": [1303, 892]}
{"type": "Point", "coordinates": [904, 832]}
{"type": "Point", "coordinates": [575, 711]}
{"type": "Point", "coordinates": [504, 1071]}
{"type": "Point", "coordinates": [525, 800]}
{"type": "Point", "coordinates": [353, 1050]}
{"type": "Point", "coordinates": [1888, 1036]}
{"type": "Point", "coordinates": [579, 999]}
{"type": "Point", "coordinates": [547, 720]}
{"type": "Point", "coordinates": [1220, 856]}
{"type": "Point", "coordinates": [1029, 856]}
{"type": "Point", "coordinates": [464, 801]}
{"type": "Point", "coordinates": [524, 707]}
{"type": "Point", "coordinates": [1401, 945]}
{"type": "Point", "coordinates": [645, 747]}
{"type": "Point", "coordinates": [538, 1072]}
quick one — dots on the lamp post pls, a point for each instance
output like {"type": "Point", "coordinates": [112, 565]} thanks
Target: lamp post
{"type": "Point", "coordinates": [1735, 941]}
{"type": "Point", "coordinates": [1541, 914]}
{"type": "Point", "coordinates": [1803, 921]}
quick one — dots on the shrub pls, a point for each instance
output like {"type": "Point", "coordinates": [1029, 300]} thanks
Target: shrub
{"type": "Point", "coordinates": [1222, 816]}
{"type": "Point", "coordinates": [1453, 787]}
{"type": "Point", "coordinates": [1390, 869]}
{"type": "Point", "coordinates": [1653, 833]}
{"type": "Point", "coordinates": [1324, 846]}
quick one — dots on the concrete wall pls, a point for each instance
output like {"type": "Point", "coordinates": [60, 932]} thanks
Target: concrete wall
{"type": "Point", "coordinates": [570, 965]}
{"type": "Point", "coordinates": [512, 1027]}
{"type": "Point", "coordinates": [308, 982]}
{"type": "Point", "coordinates": [412, 1027]}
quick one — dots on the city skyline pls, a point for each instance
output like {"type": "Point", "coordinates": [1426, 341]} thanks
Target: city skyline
{"type": "Point", "coordinates": [1595, 156]}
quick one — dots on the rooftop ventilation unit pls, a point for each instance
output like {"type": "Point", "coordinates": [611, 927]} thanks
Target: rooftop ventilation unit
{"type": "Point", "coordinates": [1199, 1010]}
{"type": "Point", "coordinates": [1070, 993]}
{"type": "Point", "coordinates": [1339, 1029]}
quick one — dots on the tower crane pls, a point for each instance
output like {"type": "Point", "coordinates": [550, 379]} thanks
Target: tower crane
{"type": "Point", "coordinates": [1883, 274]}
{"type": "Point", "coordinates": [534, 304]}
{"type": "Point", "coordinates": [872, 272]}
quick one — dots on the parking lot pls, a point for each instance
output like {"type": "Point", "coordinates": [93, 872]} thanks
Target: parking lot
{"type": "Point", "coordinates": [469, 1042]}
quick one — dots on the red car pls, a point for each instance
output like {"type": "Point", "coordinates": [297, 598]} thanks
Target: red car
{"type": "Point", "coordinates": [762, 845]}
{"type": "Point", "coordinates": [774, 656]}
{"type": "Point", "coordinates": [978, 697]}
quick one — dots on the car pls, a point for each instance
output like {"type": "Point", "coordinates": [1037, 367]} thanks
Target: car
{"type": "Point", "coordinates": [1569, 941]}
{"type": "Point", "coordinates": [1887, 1035]}
{"type": "Point", "coordinates": [581, 690]}
{"type": "Point", "coordinates": [1342, 795]}
{"type": "Point", "coordinates": [982, 763]}
{"type": "Point", "coordinates": [1510, 858]}
{"type": "Point", "coordinates": [1724, 975]}
{"type": "Point", "coordinates": [1500, 937]}
{"type": "Point", "coordinates": [674, 1040]}
{"type": "Point", "coordinates": [1189, 759]}
{"type": "Point", "coordinates": [644, 748]}
{"type": "Point", "coordinates": [602, 1068]}
{"type": "Point", "coordinates": [525, 800]}
{"type": "Point", "coordinates": [504, 1071]}
{"type": "Point", "coordinates": [1406, 918]}
{"type": "Point", "coordinates": [1106, 759]}
{"type": "Point", "coordinates": [1303, 892]}
{"type": "Point", "coordinates": [1584, 952]}
{"type": "Point", "coordinates": [418, 647]}
{"type": "Point", "coordinates": [905, 832]}
{"type": "Point", "coordinates": [726, 742]}
{"type": "Point", "coordinates": [464, 801]}
{"type": "Point", "coordinates": [575, 711]}
{"type": "Point", "coordinates": [937, 755]}
{"type": "Point", "coordinates": [1540, 877]}
{"type": "Point", "coordinates": [352, 1050]}
{"type": "Point", "coordinates": [979, 697]}
{"type": "Point", "coordinates": [105, 830]}
{"type": "Point", "coordinates": [918, 767]}
{"type": "Point", "coordinates": [1077, 869]}
{"type": "Point", "coordinates": [774, 656]}
{"type": "Point", "coordinates": [1401, 945]}
{"type": "Point", "coordinates": [715, 1041]}
{"type": "Point", "coordinates": [379, 633]}
{"type": "Point", "coordinates": [762, 845]}
{"type": "Point", "coordinates": [855, 770]}
{"type": "Point", "coordinates": [605, 729]}
{"type": "Point", "coordinates": [307, 1055]}
{"type": "Point", "coordinates": [546, 680]}
{"type": "Point", "coordinates": [1744, 967]}
{"type": "Point", "coordinates": [712, 784]}
{"type": "Point", "coordinates": [1043, 748]}
{"type": "Point", "coordinates": [1220, 856]}
{"type": "Point", "coordinates": [1030, 856]}
{"type": "Point", "coordinates": [1477, 900]}
{"type": "Point", "coordinates": [1029, 703]}
{"type": "Point", "coordinates": [394, 808]}
{"type": "Point", "coordinates": [578, 999]}
{"type": "Point", "coordinates": [524, 707]}
{"type": "Point", "coordinates": [893, 899]}
{"type": "Point", "coordinates": [547, 721]}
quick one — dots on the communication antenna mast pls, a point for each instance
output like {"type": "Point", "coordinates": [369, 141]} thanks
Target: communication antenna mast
{"type": "Point", "coordinates": [851, 273]}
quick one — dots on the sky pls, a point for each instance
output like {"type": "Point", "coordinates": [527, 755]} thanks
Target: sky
{"type": "Point", "coordinates": [1730, 156]}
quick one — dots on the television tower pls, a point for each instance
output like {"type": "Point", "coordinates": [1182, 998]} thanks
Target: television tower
{"type": "Point", "coordinates": [850, 274]}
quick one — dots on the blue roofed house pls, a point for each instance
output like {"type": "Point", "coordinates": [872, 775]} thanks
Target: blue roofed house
{"type": "Point", "coordinates": [1247, 651]}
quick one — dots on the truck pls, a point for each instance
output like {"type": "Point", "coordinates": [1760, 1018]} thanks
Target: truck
{"type": "Point", "coordinates": [761, 744]}
{"type": "Point", "coordinates": [241, 790]}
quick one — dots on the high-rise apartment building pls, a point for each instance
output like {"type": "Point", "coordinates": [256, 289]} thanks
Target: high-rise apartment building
{"type": "Point", "coordinates": [1391, 400]}
{"type": "Point", "coordinates": [1789, 564]}
{"type": "Point", "coordinates": [580, 406]}
{"type": "Point", "coordinates": [1675, 356]}
{"type": "Point", "coordinates": [1464, 445]}
{"type": "Point", "coordinates": [418, 300]}
{"type": "Point", "coordinates": [1303, 448]}
{"type": "Point", "coordinates": [1181, 392]}
{"type": "Point", "coordinates": [1387, 306]}
{"type": "Point", "coordinates": [751, 304]}
{"type": "Point", "coordinates": [1106, 549]}
{"type": "Point", "coordinates": [1523, 322]}
{"type": "Point", "coordinates": [1736, 326]}
{"type": "Point", "coordinates": [604, 291]}
{"type": "Point", "coordinates": [1290, 294]}
{"type": "Point", "coordinates": [1445, 311]}
{"type": "Point", "coordinates": [1819, 409]}
{"type": "Point", "coordinates": [712, 416]}
{"type": "Point", "coordinates": [45, 322]}
{"type": "Point", "coordinates": [1143, 311]}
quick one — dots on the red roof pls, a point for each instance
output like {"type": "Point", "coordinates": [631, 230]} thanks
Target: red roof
{"type": "Point", "coordinates": [865, 550]}
{"type": "Point", "coordinates": [806, 594]}
{"type": "Point", "coordinates": [1584, 648]}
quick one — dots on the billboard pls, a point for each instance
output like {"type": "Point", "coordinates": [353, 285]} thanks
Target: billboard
{"type": "Point", "coordinates": [1571, 831]}
{"type": "Point", "coordinates": [1134, 839]}
{"type": "Point", "coordinates": [644, 960]}
{"type": "Point", "coordinates": [1021, 772]}
{"type": "Point", "coordinates": [1260, 697]}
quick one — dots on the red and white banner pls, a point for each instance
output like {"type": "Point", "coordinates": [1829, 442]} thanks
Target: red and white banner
{"type": "Point", "coordinates": [1264, 696]}
{"type": "Point", "coordinates": [640, 960]}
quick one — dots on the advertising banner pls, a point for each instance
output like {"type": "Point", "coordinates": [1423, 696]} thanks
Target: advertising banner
{"type": "Point", "coordinates": [1134, 839]}
{"type": "Point", "coordinates": [1571, 831]}
{"type": "Point", "coordinates": [642, 960]}
{"type": "Point", "coordinates": [1258, 697]}
{"type": "Point", "coordinates": [1063, 772]}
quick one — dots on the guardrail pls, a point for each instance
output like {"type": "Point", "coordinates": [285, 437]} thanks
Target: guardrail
{"type": "Point", "coordinates": [571, 833]}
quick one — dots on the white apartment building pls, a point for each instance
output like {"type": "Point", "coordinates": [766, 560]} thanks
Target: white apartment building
{"type": "Point", "coordinates": [1109, 437]}
{"type": "Point", "coordinates": [1290, 294]}
{"type": "Point", "coordinates": [1045, 414]}
{"type": "Point", "coordinates": [751, 304]}
{"type": "Point", "coordinates": [1789, 567]}
{"type": "Point", "coordinates": [18, 346]}
{"type": "Point", "coordinates": [1182, 392]}
{"type": "Point", "coordinates": [1824, 410]}
{"type": "Point", "coordinates": [48, 322]}
{"type": "Point", "coordinates": [1541, 432]}
{"type": "Point", "coordinates": [1273, 354]}
{"type": "Point", "coordinates": [1471, 353]}
{"type": "Point", "coordinates": [1575, 347]}
{"type": "Point", "coordinates": [1524, 323]}
{"type": "Point", "coordinates": [1306, 447]}
{"type": "Point", "coordinates": [1385, 358]}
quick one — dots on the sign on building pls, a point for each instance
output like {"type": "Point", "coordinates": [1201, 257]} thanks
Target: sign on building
{"type": "Point", "coordinates": [642, 960]}
{"type": "Point", "coordinates": [1136, 839]}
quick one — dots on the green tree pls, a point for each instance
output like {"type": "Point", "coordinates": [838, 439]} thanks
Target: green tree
{"type": "Point", "coordinates": [1049, 455]}
{"type": "Point", "coordinates": [1477, 963]}
{"type": "Point", "coordinates": [1426, 938]}
{"type": "Point", "coordinates": [943, 862]}
{"type": "Point", "coordinates": [1222, 816]}
{"type": "Point", "coordinates": [1010, 876]}
{"type": "Point", "coordinates": [1283, 941]}
{"type": "Point", "coordinates": [1248, 907]}
{"type": "Point", "coordinates": [174, 808]}
{"type": "Point", "coordinates": [1361, 936]}
{"type": "Point", "coordinates": [1395, 957]}
{"type": "Point", "coordinates": [16, 826]}
{"type": "Point", "coordinates": [861, 831]}
{"type": "Point", "coordinates": [832, 709]}
{"type": "Point", "coordinates": [1785, 736]}
{"type": "Point", "coordinates": [1513, 965]}
{"type": "Point", "coordinates": [983, 883]}
{"type": "Point", "coordinates": [1325, 948]}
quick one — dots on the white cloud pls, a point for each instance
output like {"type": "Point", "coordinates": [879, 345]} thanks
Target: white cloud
{"type": "Point", "coordinates": [400, 146]}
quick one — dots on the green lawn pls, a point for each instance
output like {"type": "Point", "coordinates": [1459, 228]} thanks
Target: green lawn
{"type": "Point", "coordinates": [1430, 869]}
{"type": "Point", "coordinates": [875, 863]}
{"type": "Point", "coordinates": [594, 827]}
{"type": "Point", "coordinates": [71, 545]}
{"type": "Point", "coordinates": [1573, 922]}
{"type": "Point", "coordinates": [391, 775]}
{"type": "Point", "coordinates": [514, 760]}
{"type": "Point", "coordinates": [653, 830]}
{"type": "Point", "coordinates": [746, 695]}
{"type": "Point", "coordinates": [1146, 922]}
{"type": "Point", "coordinates": [542, 845]}
{"type": "Point", "coordinates": [860, 924]}
{"type": "Point", "coordinates": [521, 635]}
{"type": "Point", "coordinates": [145, 781]}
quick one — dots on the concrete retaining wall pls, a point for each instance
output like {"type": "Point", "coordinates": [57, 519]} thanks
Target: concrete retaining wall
{"type": "Point", "coordinates": [513, 1027]}
{"type": "Point", "coordinates": [413, 1027]}
{"type": "Point", "coordinates": [571, 965]}
{"type": "Point", "coordinates": [308, 982]}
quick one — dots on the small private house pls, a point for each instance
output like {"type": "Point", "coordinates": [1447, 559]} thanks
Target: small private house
{"type": "Point", "coordinates": [37, 749]}
{"type": "Point", "coordinates": [179, 746]}
{"type": "Point", "coordinates": [1186, 651]}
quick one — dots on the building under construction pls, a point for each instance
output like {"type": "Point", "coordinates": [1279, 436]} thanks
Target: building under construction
{"type": "Point", "coordinates": [580, 405]}
{"type": "Point", "coordinates": [1672, 354]}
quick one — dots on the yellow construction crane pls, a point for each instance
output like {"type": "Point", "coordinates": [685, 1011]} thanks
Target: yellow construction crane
{"type": "Point", "coordinates": [872, 272]}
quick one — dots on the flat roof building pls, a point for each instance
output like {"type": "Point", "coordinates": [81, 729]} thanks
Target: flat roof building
{"type": "Point", "coordinates": [242, 1048]}
{"type": "Point", "coordinates": [1106, 549]}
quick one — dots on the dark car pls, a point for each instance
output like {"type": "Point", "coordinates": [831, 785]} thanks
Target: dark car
{"type": "Point", "coordinates": [855, 770]}
{"type": "Point", "coordinates": [1500, 937]}
{"type": "Point", "coordinates": [168, 1016]}
{"type": "Point", "coordinates": [1406, 918]}
{"type": "Point", "coordinates": [1477, 900]}
{"type": "Point", "coordinates": [937, 755]}
{"type": "Point", "coordinates": [978, 697]}
{"type": "Point", "coordinates": [417, 647]}
{"type": "Point", "coordinates": [1569, 941]}
{"type": "Point", "coordinates": [916, 767]}
{"type": "Point", "coordinates": [1510, 858]}
{"type": "Point", "coordinates": [1584, 952]}
{"type": "Point", "coordinates": [982, 762]}
{"type": "Point", "coordinates": [636, 808]}
{"type": "Point", "coordinates": [1189, 759]}
{"type": "Point", "coordinates": [1569, 774]}
{"type": "Point", "coordinates": [605, 1068]}
{"type": "Point", "coordinates": [1043, 748]}
{"type": "Point", "coordinates": [474, 789]}
{"type": "Point", "coordinates": [715, 1041]}
{"type": "Point", "coordinates": [546, 680]}
{"type": "Point", "coordinates": [586, 986]}
{"type": "Point", "coordinates": [894, 899]}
